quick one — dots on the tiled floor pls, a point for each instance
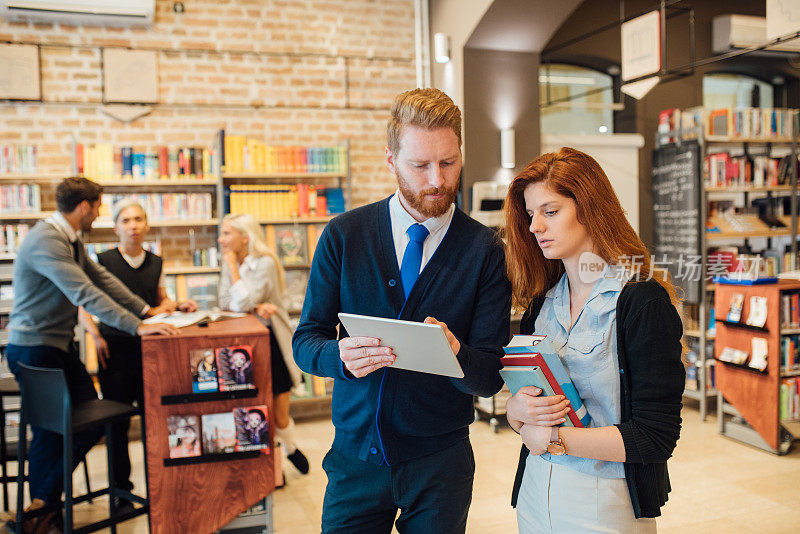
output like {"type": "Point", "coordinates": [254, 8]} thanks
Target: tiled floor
{"type": "Point", "coordinates": [719, 486]}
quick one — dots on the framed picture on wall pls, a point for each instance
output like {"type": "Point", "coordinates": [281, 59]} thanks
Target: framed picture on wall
{"type": "Point", "coordinates": [20, 76]}
{"type": "Point", "coordinates": [129, 76]}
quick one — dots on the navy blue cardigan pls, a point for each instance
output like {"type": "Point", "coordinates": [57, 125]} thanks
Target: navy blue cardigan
{"type": "Point", "coordinates": [393, 415]}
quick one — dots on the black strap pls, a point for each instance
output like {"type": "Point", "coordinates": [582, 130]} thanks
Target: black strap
{"type": "Point", "coordinates": [75, 244]}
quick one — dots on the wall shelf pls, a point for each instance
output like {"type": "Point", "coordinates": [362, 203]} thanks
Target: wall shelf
{"type": "Point", "coordinates": [158, 183]}
{"type": "Point", "coordinates": [284, 176]}
{"type": "Point", "coordinates": [211, 458]}
{"type": "Point", "coordinates": [207, 396]}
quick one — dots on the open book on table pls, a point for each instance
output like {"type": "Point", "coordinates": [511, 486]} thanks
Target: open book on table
{"type": "Point", "coordinates": [180, 319]}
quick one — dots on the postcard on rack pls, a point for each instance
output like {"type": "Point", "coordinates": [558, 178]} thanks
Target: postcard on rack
{"type": "Point", "coordinates": [203, 366]}
{"type": "Point", "coordinates": [252, 428]}
{"type": "Point", "coordinates": [184, 435]}
{"type": "Point", "coordinates": [219, 433]}
{"type": "Point", "coordinates": [235, 367]}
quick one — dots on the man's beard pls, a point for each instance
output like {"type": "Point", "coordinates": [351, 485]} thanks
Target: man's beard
{"type": "Point", "coordinates": [86, 223]}
{"type": "Point", "coordinates": [423, 206]}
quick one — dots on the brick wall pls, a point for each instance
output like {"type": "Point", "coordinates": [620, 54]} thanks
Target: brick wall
{"type": "Point", "coordinates": [286, 72]}
{"type": "Point", "coordinates": [315, 72]}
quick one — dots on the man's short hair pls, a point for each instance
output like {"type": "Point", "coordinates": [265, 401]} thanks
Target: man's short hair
{"type": "Point", "coordinates": [427, 108]}
{"type": "Point", "coordinates": [72, 191]}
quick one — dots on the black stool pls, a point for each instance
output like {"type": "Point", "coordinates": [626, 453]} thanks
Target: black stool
{"type": "Point", "coordinates": [8, 451]}
{"type": "Point", "coordinates": [46, 403]}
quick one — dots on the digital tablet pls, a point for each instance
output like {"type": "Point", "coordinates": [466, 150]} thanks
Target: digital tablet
{"type": "Point", "coordinates": [418, 347]}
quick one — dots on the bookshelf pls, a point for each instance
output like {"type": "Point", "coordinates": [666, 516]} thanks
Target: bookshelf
{"type": "Point", "coordinates": [292, 226]}
{"type": "Point", "coordinates": [682, 129]}
{"type": "Point", "coordinates": [748, 404]}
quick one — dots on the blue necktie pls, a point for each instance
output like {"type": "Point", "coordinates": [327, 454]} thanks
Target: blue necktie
{"type": "Point", "coordinates": [412, 257]}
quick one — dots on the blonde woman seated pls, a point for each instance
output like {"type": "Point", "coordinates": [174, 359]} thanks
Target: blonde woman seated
{"type": "Point", "coordinates": [252, 280]}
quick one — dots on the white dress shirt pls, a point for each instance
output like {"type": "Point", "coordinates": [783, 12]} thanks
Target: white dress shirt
{"type": "Point", "coordinates": [402, 220]}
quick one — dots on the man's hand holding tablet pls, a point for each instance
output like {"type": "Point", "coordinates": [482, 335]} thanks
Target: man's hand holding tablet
{"type": "Point", "coordinates": [363, 355]}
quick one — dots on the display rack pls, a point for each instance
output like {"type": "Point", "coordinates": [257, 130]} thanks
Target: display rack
{"type": "Point", "coordinates": [224, 484]}
{"type": "Point", "coordinates": [696, 327]}
{"type": "Point", "coordinates": [747, 403]}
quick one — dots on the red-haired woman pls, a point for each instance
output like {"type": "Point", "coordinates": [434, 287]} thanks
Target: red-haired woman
{"type": "Point", "coordinates": [587, 282]}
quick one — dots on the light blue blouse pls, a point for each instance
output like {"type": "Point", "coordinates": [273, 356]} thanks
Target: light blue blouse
{"type": "Point", "coordinates": [589, 352]}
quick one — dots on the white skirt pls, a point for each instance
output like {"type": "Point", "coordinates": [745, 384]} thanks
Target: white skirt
{"type": "Point", "coordinates": [555, 498]}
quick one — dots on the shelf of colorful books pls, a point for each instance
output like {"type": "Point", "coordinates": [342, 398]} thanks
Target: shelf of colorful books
{"type": "Point", "coordinates": [167, 182]}
{"type": "Point", "coordinates": [284, 176]}
{"type": "Point", "coordinates": [297, 220]}
{"type": "Point", "coordinates": [211, 458]}
{"type": "Point", "coordinates": [208, 396]}
{"type": "Point", "coordinates": [790, 331]}
{"type": "Point", "coordinates": [789, 373]}
{"type": "Point", "coordinates": [190, 269]}
{"type": "Point", "coordinates": [164, 224]}
{"type": "Point", "coordinates": [24, 216]}
{"type": "Point", "coordinates": [748, 189]}
{"type": "Point", "coordinates": [753, 140]}
{"type": "Point", "coordinates": [36, 177]}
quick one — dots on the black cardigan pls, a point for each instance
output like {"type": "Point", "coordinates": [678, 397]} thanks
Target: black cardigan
{"type": "Point", "coordinates": [652, 380]}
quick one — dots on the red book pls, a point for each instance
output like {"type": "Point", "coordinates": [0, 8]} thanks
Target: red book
{"type": "Point", "coordinates": [181, 162]}
{"type": "Point", "coordinates": [322, 203]}
{"type": "Point", "coordinates": [79, 158]}
{"type": "Point", "coordinates": [535, 359]}
{"type": "Point", "coordinates": [163, 162]}
{"type": "Point", "coordinates": [303, 209]}
{"type": "Point", "coordinates": [297, 153]}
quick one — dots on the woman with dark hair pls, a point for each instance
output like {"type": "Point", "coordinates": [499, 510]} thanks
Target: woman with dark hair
{"type": "Point", "coordinates": [587, 282]}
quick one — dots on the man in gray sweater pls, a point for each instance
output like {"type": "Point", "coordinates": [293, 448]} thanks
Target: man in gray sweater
{"type": "Point", "coordinates": [52, 277]}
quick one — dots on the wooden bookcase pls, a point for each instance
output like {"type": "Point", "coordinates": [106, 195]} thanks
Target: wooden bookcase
{"type": "Point", "coordinates": [696, 316]}
{"type": "Point", "coordinates": [747, 404]}
{"type": "Point", "coordinates": [202, 494]}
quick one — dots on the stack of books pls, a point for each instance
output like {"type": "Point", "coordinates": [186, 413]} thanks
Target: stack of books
{"type": "Point", "coordinates": [532, 361]}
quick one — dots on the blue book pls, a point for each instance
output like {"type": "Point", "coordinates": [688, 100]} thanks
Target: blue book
{"type": "Point", "coordinates": [127, 161]}
{"type": "Point", "coordinates": [538, 350]}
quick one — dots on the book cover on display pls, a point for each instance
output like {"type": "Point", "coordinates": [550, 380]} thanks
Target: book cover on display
{"type": "Point", "coordinates": [252, 428]}
{"type": "Point", "coordinates": [184, 435]}
{"type": "Point", "coordinates": [235, 367]}
{"type": "Point", "coordinates": [203, 365]}
{"type": "Point", "coordinates": [291, 243]}
{"type": "Point", "coordinates": [219, 433]}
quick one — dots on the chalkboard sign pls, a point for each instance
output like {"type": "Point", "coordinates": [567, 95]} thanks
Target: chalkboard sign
{"type": "Point", "coordinates": [676, 212]}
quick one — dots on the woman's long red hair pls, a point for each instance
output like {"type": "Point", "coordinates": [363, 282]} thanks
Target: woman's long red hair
{"type": "Point", "coordinates": [576, 175]}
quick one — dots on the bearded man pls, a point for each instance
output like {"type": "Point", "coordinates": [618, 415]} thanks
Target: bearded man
{"type": "Point", "coordinates": [402, 437]}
